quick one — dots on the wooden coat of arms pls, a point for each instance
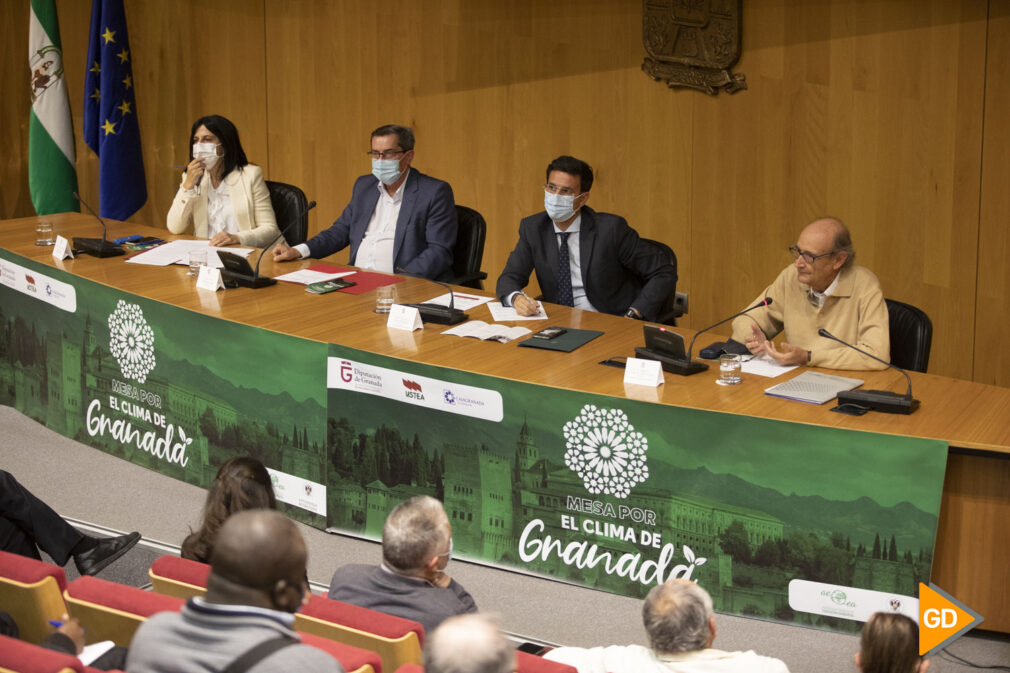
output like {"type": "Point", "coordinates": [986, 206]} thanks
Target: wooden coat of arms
{"type": "Point", "coordinates": [693, 43]}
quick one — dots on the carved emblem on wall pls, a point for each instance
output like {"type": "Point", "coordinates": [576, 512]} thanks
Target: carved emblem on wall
{"type": "Point", "coordinates": [693, 43]}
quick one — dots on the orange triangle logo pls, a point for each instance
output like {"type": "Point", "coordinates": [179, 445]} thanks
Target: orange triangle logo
{"type": "Point", "coordinates": [942, 619]}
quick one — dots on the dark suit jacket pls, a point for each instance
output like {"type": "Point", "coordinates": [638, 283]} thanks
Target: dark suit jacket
{"type": "Point", "coordinates": [408, 597]}
{"type": "Point", "coordinates": [618, 270]}
{"type": "Point", "coordinates": [425, 229]}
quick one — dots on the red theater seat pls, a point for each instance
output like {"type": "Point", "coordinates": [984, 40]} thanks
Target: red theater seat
{"type": "Point", "coordinates": [21, 657]}
{"type": "Point", "coordinates": [179, 577]}
{"type": "Point", "coordinates": [111, 611]}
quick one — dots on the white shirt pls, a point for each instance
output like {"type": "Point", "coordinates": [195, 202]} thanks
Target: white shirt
{"type": "Point", "coordinates": [817, 298]}
{"type": "Point", "coordinates": [376, 249]}
{"type": "Point", "coordinates": [220, 211]}
{"type": "Point", "coordinates": [579, 298]}
{"type": "Point", "coordinates": [638, 659]}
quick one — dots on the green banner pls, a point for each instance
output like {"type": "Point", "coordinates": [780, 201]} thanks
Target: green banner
{"type": "Point", "coordinates": [622, 495]}
{"type": "Point", "coordinates": [163, 387]}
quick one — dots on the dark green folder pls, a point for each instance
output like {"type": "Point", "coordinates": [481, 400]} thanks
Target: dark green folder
{"type": "Point", "coordinates": [565, 343]}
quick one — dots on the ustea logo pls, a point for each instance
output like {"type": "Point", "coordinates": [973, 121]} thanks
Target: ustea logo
{"type": "Point", "coordinates": [131, 341]}
{"type": "Point", "coordinates": [413, 389]}
{"type": "Point", "coordinates": [605, 451]}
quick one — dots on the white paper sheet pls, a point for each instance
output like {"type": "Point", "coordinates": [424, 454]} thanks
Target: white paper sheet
{"type": "Point", "coordinates": [177, 252]}
{"type": "Point", "coordinates": [764, 366]}
{"type": "Point", "coordinates": [307, 276]}
{"type": "Point", "coordinates": [460, 300]}
{"type": "Point", "coordinates": [501, 313]}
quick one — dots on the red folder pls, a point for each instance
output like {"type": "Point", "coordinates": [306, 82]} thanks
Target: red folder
{"type": "Point", "coordinates": [366, 280]}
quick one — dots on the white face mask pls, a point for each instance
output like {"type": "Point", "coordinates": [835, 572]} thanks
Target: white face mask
{"type": "Point", "coordinates": [207, 152]}
{"type": "Point", "coordinates": [560, 207]}
{"type": "Point", "coordinates": [386, 171]}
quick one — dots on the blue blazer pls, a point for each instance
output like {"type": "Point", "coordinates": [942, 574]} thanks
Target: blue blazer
{"type": "Point", "coordinates": [618, 271]}
{"type": "Point", "coordinates": [425, 229]}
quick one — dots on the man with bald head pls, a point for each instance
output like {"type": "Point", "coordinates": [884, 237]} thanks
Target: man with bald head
{"type": "Point", "coordinates": [257, 582]}
{"type": "Point", "coordinates": [680, 625]}
{"type": "Point", "coordinates": [468, 644]}
{"type": "Point", "coordinates": [411, 581]}
{"type": "Point", "coordinates": [821, 289]}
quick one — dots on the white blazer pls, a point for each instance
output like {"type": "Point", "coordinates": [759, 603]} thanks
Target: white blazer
{"type": "Point", "coordinates": [249, 197]}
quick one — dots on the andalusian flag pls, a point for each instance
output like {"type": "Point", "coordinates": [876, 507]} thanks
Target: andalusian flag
{"type": "Point", "coordinates": [52, 178]}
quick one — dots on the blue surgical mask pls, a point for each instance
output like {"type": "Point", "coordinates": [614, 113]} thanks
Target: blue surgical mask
{"type": "Point", "coordinates": [386, 170]}
{"type": "Point", "coordinates": [559, 207]}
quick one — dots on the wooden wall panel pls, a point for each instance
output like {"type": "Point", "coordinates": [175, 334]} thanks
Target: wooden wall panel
{"type": "Point", "coordinates": [847, 117]}
{"type": "Point", "coordinates": [869, 111]}
{"type": "Point", "coordinates": [992, 322]}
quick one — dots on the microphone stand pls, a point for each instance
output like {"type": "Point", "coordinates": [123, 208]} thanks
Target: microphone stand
{"type": "Point", "coordinates": [237, 269]}
{"type": "Point", "coordinates": [436, 313]}
{"type": "Point", "coordinates": [877, 400]}
{"type": "Point", "coordinates": [98, 247]}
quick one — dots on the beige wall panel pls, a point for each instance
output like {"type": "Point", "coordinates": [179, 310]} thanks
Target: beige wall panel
{"type": "Point", "coordinates": [15, 102]}
{"type": "Point", "coordinates": [992, 323]}
{"type": "Point", "coordinates": [864, 122]}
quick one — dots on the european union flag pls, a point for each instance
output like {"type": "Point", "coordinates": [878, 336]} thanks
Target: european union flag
{"type": "Point", "coordinates": [110, 113]}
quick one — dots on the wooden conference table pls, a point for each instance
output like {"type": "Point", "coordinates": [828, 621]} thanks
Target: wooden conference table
{"type": "Point", "coordinates": [974, 419]}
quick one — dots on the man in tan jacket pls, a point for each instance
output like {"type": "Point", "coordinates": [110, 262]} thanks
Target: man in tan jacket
{"type": "Point", "coordinates": [821, 289]}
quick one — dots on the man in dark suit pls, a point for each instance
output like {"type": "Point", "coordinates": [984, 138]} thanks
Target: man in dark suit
{"type": "Point", "coordinates": [399, 219]}
{"type": "Point", "coordinates": [582, 258]}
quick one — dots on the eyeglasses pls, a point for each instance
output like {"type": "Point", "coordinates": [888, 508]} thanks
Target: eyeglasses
{"type": "Point", "coordinates": [448, 553]}
{"type": "Point", "coordinates": [808, 257]}
{"type": "Point", "coordinates": [388, 154]}
{"type": "Point", "coordinates": [563, 191]}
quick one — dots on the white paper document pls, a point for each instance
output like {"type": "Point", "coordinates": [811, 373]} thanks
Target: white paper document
{"type": "Point", "coordinates": [482, 330]}
{"type": "Point", "coordinates": [501, 313]}
{"type": "Point", "coordinates": [460, 300]}
{"type": "Point", "coordinates": [177, 252]}
{"type": "Point", "coordinates": [813, 387]}
{"type": "Point", "coordinates": [307, 276]}
{"type": "Point", "coordinates": [764, 365]}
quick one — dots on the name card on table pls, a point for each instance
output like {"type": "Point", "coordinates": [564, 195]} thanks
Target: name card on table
{"type": "Point", "coordinates": [643, 372]}
{"type": "Point", "coordinates": [209, 279]}
{"type": "Point", "coordinates": [61, 250]}
{"type": "Point", "coordinates": [406, 318]}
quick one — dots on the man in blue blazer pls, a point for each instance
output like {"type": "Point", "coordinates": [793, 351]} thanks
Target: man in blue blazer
{"type": "Point", "coordinates": [398, 220]}
{"type": "Point", "coordinates": [602, 265]}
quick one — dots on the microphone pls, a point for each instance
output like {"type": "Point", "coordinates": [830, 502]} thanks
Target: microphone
{"type": "Point", "coordinates": [436, 313]}
{"type": "Point", "coordinates": [687, 367]}
{"type": "Point", "coordinates": [877, 400]}
{"type": "Point", "coordinates": [237, 268]}
{"type": "Point", "coordinates": [98, 247]}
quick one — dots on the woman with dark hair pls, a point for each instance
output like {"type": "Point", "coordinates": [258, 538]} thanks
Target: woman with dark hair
{"type": "Point", "coordinates": [890, 644]}
{"type": "Point", "coordinates": [241, 483]}
{"type": "Point", "coordinates": [222, 196]}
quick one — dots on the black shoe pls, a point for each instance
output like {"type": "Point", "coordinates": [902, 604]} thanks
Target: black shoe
{"type": "Point", "coordinates": [107, 550]}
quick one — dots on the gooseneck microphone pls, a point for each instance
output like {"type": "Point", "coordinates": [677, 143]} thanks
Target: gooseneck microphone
{"type": "Point", "coordinates": [877, 400]}
{"type": "Point", "coordinates": [98, 247]}
{"type": "Point", "coordinates": [436, 313]}
{"type": "Point", "coordinates": [686, 366]}
{"type": "Point", "coordinates": [236, 268]}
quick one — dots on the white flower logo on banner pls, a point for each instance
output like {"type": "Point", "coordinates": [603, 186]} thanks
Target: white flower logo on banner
{"type": "Point", "coordinates": [605, 451]}
{"type": "Point", "coordinates": [131, 341]}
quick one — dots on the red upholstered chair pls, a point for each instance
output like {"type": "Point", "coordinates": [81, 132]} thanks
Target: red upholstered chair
{"type": "Point", "coordinates": [32, 592]}
{"type": "Point", "coordinates": [111, 611]}
{"type": "Point", "coordinates": [353, 659]}
{"type": "Point", "coordinates": [179, 577]}
{"type": "Point", "coordinates": [21, 657]}
{"type": "Point", "coordinates": [396, 640]}
{"type": "Point", "coordinates": [531, 663]}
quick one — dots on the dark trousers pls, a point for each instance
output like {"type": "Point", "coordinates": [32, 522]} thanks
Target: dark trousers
{"type": "Point", "coordinates": [27, 524]}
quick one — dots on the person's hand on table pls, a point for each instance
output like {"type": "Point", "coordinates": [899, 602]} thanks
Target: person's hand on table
{"type": "Point", "coordinates": [788, 355]}
{"type": "Point", "coordinates": [524, 305]}
{"type": "Point", "coordinates": [194, 171]}
{"type": "Point", "coordinates": [283, 253]}
{"type": "Point", "coordinates": [223, 238]}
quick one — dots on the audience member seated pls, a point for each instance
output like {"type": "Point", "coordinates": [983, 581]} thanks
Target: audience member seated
{"type": "Point", "coordinates": [468, 644]}
{"type": "Point", "coordinates": [222, 196]}
{"type": "Point", "coordinates": [681, 627]}
{"type": "Point", "coordinates": [411, 581]}
{"type": "Point", "coordinates": [69, 639]}
{"type": "Point", "coordinates": [241, 483]}
{"type": "Point", "coordinates": [890, 644]}
{"type": "Point", "coordinates": [256, 583]}
{"type": "Point", "coordinates": [27, 524]}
